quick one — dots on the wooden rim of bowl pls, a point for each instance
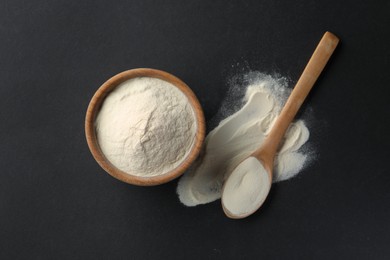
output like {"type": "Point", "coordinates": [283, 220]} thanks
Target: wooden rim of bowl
{"type": "Point", "coordinates": [96, 103]}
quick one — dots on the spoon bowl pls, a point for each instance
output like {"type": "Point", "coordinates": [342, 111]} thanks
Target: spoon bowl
{"type": "Point", "coordinates": [238, 204]}
{"type": "Point", "coordinates": [251, 174]}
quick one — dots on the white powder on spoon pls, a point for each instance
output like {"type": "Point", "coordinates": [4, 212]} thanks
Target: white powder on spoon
{"type": "Point", "coordinates": [146, 127]}
{"type": "Point", "coordinates": [241, 190]}
{"type": "Point", "coordinates": [238, 136]}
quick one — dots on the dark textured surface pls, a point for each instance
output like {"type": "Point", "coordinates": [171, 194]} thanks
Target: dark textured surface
{"type": "Point", "coordinates": [55, 201]}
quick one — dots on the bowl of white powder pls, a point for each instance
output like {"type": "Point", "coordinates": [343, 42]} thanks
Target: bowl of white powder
{"type": "Point", "coordinates": [144, 126]}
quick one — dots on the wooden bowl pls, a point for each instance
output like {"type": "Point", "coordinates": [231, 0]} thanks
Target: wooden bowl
{"type": "Point", "coordinates": [96, 103]}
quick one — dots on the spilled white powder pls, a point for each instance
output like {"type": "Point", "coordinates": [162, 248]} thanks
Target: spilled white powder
{"type": "Point", "coordinates": [238, 136]}
{"type": "Point", "coordinates": [241, 191]}
{"type": "Point", "coordinates": [146, 127]}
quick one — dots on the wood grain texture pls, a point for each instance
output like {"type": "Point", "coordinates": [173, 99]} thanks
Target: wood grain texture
{"type": "Point", "coordinates": [267, 151]}
{"type": "Point", "coordinates": [309, 76]}
{"type": "Point", "coordinates": [96, 103]}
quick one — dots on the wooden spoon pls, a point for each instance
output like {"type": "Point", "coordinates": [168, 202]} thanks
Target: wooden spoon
{"type": "Point", "coordinates": [266, 153]}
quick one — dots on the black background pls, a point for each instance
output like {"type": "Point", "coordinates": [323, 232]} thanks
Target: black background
{"type": "Point", "coordinates": [56, 202]}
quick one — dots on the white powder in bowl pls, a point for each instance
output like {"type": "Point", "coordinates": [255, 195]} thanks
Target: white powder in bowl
{"type": "Point", "coordinates": [146, 127]}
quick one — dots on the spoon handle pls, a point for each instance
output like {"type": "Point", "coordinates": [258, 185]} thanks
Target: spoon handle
{"type": "Point", "coordinates": [309, 76]}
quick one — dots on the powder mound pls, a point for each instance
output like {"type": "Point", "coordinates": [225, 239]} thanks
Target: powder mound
{"type": "Point", "coordinates": [146, 126]}
{"type": "Point", "coordinates": [241, 194]}
{"type": "Point", "coordinates": [239, 135]}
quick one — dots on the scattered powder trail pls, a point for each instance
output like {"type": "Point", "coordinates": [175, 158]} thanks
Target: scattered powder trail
{"type": "Point", "coordinates": [241, 133]}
